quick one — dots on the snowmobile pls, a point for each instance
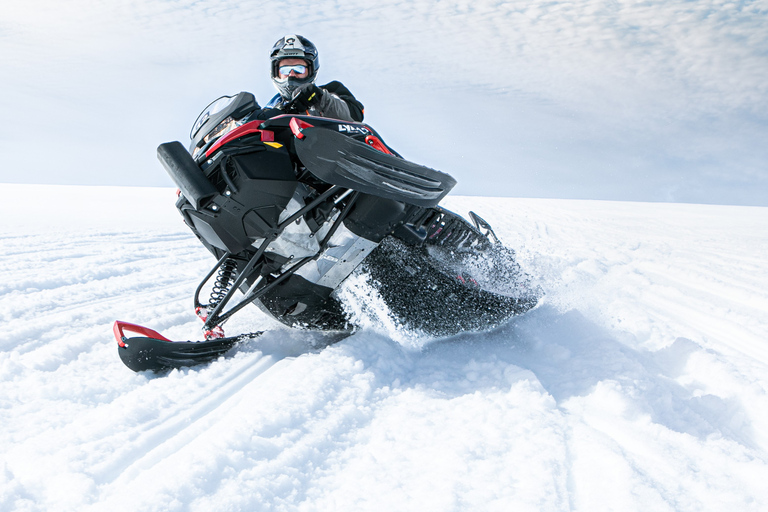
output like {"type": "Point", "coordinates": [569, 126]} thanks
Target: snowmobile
{"type": "Point", "coordinates": [293, 205]}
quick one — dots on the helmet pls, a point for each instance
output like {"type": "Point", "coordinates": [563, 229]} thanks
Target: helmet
{"type": "Point", "coordinates": [293, 46]}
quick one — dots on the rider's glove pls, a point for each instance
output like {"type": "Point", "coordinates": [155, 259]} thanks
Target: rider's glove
{"type": "Point", "coordinates": [304, 98]}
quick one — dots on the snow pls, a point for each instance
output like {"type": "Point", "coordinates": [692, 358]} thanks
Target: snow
{"type": "Point", "coordinates": [639, 383]}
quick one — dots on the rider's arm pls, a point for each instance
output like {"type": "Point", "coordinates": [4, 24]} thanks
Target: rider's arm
{"type": "Point", "coordinates": [332, 106]}
{"type": "Point", "coordinates": [339, 103]}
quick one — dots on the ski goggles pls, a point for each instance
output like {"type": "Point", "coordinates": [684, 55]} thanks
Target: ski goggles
{"type": "Point", "coordinates": [299, 69]}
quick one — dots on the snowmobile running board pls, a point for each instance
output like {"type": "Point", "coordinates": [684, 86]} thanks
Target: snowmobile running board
{"type": "Point", "coordinates": [153, 351]}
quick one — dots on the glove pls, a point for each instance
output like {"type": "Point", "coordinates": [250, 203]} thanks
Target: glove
{"type": "Point", "coordinates": [304, 98]}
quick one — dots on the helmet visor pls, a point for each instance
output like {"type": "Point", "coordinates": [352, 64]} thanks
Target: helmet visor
{"type": "Point", "coordinates": [298, 70]}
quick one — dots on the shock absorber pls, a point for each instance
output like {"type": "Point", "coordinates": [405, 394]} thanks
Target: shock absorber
{"type": "Point", "coordinates": [225, 278]}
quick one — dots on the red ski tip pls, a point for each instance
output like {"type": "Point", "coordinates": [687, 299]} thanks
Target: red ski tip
{"type": "Point", "coordinates": [121, 326]}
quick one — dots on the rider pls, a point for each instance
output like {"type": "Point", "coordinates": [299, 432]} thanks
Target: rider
{"type": "Point", "coordinates": [294, 64]}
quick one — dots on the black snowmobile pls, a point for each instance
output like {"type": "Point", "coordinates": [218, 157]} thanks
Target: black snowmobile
{"type": "Point", "coordinates": [293, 205]}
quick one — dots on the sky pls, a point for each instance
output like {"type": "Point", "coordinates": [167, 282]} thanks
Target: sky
{"type": "Point", "coordinates": [619, 100]}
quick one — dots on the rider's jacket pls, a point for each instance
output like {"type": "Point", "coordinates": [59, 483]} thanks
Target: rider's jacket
{"type": "Point", "coordinates": [336, 102]}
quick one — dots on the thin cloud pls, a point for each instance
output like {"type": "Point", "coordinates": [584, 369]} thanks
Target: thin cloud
{"type": "Point", "coordinates": [593, 89]}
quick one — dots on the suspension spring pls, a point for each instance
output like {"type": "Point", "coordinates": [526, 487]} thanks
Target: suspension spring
{"type": "Point", "coordinates": [224, 280]}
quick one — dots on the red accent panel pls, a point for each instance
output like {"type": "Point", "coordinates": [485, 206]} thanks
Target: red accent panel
{"type": "Point", "coordinates": [240, 131]}
{"type": "Point", "coordinates": [119, 327]}
{"type": "Point", "coordinates": [297, 125]}
{"type": "Point", "coordinates": [376, 143]}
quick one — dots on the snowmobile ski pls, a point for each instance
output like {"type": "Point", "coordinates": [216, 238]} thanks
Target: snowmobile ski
{"type": "Point", "coordinates": [155, 352]}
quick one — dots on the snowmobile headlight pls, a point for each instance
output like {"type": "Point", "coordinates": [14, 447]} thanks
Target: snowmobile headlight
{"type": "Point", "coordinates": [223, 127]}
{"type": "Point", "coordinates": [214, 108]}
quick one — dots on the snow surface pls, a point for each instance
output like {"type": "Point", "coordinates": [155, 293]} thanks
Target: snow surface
{"type": "Point", "coordinates": [639, 383]}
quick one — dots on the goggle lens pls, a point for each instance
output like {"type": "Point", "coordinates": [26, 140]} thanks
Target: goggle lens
{"type": "Point", "coordinates": [298, 68]}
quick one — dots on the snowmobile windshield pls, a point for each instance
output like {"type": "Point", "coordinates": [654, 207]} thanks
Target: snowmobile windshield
{"type": "Point", "coordinates": [220, 116]}
{"type": "Point", "coordinates": [214, 108]}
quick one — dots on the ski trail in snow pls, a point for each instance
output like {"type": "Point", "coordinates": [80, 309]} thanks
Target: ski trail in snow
{"type": "Point", "coordinates": [147, 444]}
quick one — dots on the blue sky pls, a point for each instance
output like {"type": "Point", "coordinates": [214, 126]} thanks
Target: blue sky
{"type": "Point", "coordinates": [651, 101]}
